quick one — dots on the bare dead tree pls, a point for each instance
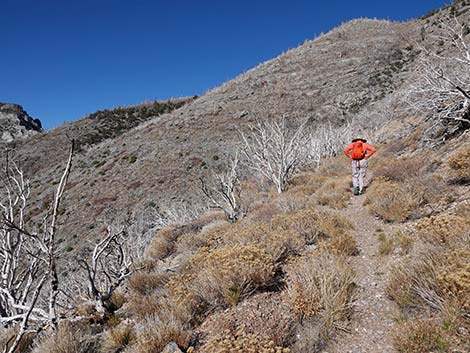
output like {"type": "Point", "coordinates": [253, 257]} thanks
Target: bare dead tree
{"type": "Point", "coordinates": [325, 141]}
{"type": "Point", "coordinates": [444, 88]}
{"type": "Point", "coordinates": [109, 265]}
{"type": "Point", "coordinates": [274, 150]}
{"type": "Point", "coordinates": [224, 191]}
{"type": "Point", "coordinates": [27, 259]}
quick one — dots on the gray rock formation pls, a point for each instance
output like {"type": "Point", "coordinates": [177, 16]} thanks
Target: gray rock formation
{"type": "Point", "coordinates": [15, 123]}
{"type": "Point", "coordinates": [171, 347]}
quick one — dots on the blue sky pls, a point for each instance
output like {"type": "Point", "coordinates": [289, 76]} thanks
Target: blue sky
{"type": "Point", "coordinates": [62, 59]}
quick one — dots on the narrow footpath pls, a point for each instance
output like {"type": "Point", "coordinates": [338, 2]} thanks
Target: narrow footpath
{"type": "Point", "coordinates": [374, 314]}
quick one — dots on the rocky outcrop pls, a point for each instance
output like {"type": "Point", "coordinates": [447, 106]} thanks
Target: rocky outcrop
{"type": "Point", "coordinates": [15, 123]}
{"type": "Point", "coordinates": [172, 347]}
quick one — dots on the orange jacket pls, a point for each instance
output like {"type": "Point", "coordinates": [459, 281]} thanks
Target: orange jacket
{"type": "Point", "coordinates": [370, 150]}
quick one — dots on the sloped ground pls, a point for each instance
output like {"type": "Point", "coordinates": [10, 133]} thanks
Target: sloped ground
{"type": "Point", "coordinates": [361, 68]}
{"type": "Point", "coordinates": [159, 162]}
{"type": "Point", "coordinates": [296, 252]}
{"type": "Point", "coordinates": [311, 270]}
{"type": "Point", "coordinates": [374, 314]}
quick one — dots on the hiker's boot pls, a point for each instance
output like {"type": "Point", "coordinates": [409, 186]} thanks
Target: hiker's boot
{"type": "Point", "coordinates": [356, 191]}
{"type": "Point", "coordinates": [361, 192]}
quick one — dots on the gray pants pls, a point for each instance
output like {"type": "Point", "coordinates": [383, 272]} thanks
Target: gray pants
{"type": "Point", "coordinates": [359, 170]}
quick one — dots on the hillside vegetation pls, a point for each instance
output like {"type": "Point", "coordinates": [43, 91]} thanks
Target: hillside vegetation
{"type": "Point", "coordinates": [226, 223]}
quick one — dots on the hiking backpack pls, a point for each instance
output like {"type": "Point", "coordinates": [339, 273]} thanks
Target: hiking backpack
{"type": "Point", "coordinates": [358, 151]}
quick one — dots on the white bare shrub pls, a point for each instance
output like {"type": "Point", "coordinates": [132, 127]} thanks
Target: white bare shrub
{"type": "Point", "coordinates": [224, 190]}
{"type": "Point", "coordinates": [273, 150]}
{"type": "Point", "coordinates": [325, 141]}
{"type": "Point", "coordinates": [29, 281]}
{"type": "Point", "coordinates": [443, 90]}
{"type": "Point", "coordinates": [180, 213]}
{"type": "Point", "coordinates": [110, 263]}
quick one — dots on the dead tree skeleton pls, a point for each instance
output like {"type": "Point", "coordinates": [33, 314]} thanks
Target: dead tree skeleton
{"type": "Point", "coordinates": [28, 259]}
{"type": "Point", "coordinates": [325, 141]}
{"type": "Point", "coordinates": [273, 150]}
{"type": "Point", "coordinates": [224, 191]}
{"type": "Point", "coordinates": [444, 88]}
{"type": "Point", "coordinates": [109, 265]}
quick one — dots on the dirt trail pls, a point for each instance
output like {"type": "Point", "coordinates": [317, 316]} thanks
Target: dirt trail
{"type": "Point", "coordinates": [374, 313]}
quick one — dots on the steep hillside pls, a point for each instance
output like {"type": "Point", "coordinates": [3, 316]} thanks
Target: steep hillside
{"type": "Point", "coordinates": [310, 269]}
{"type": "Point", "coordinates": [360, 70]}
{"type": "Point", "coordinates": [327, 79]}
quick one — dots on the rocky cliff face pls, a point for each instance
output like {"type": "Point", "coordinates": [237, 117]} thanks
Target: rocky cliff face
{"type": "Point", "coordinates": [15, 123]}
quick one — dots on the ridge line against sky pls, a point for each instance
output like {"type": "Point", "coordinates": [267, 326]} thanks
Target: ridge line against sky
{"type": "Point", "coordinates": [62, 59]}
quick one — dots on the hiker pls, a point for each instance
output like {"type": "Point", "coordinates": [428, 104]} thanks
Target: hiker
{"type": "Point", "coordinates": [359, 151]}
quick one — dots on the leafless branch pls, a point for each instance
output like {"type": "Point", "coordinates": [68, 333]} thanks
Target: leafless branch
{"type": "Point", "coordinates": [273, 150]}
{"type": "Point", "coordinates": [108, 266]}
{"type": "Point", "coordinates": [224, 191]}
{"type": "Point", "coordinates": [27, 259]}
{"type": "Point", "coordinates": [443, 91]}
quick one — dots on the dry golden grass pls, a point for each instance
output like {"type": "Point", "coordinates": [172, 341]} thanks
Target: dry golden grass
{"type": "Point", "coordinates": [117, 339]}
{"type": "Point", "coordinates": [221, 277]}
{"type": "Point", "coordinates": [415, 177]}
{"type": "Point", "coordinates": [225, 276]}
{"type": "Point", "coordinates": [428, 190]}
{"type": "Point", "coordinates": [335, 234]}
{"type": "Point", "coordinates": [263, 314]}
{"type": "Point", "coordinates": [342, 244]}
{"type": "Point", "coordinates": [420, 336]}
{"type": "Point", "coordinates": [320, 285]}
{"type": "Point", "coordinates": [463, 210]}
{"type": "Point", "coordinates": [290, 202]}
{"type": "Point", "coordinates": [168, 240]}
{"type": "Point", "coordinates": [404, 241]}
{"type": "Point", "coordinates": [320, 290]}
{"type": "Point", "coordinates": [412, 283]}
{"type": "Point", "coordinates": [306, 183]}
{"type": "Point", "coordinates": [333, 167]}
{"type": "Point", "coordinates": [145, 283]}
{"type": "Point", "coordinates": [333, 223]}
{"type": "Point", "coordinates": [67, 339]}
{"type": "Point", "coordinates": [390, 201]}
{"type": "Point", "coordinates": [385, 244]}
{"type": "Point", "coordinates": [155, 332]}
{"type": "Point", "coordinates": [459, 162]}
{"type": "Point", "coordinates": [189, 243]}
{"type": "Point", "coordinates": [453, 279]}
{"type": "Point", "coordinates": [304, 222]}
{"type": "Point", "coordinates": [162, 243]}
{"type": "Point", "coordinates": [287, 234]}
{"type": "Point", "coordinates": [441, 229]}
{"type": "Point", "coordinates": [140, 306]}
{"type": "Point", "coordinates": [263, 211]}
{"type": "Point", "coordinates": [151, 295]}
{"type": "Point", "coordinates": [432, 276]}
{"type": "Point", "coordinates": [184, 300]}
{"type": "Point", "coordinates": [118, 299]}
{"type": "Point", "coordinates": [85, 309]}
{"type": "Point", "coordinates": [239, 341]}
{"type": "Point", "coordinates": [399, 170]}
{"type": "Point", "coordinates": [335, 193]}
{"type": "Point", "coordinates": [279, 242]}
{"type": "Point", "coordinates": [8, 335]}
